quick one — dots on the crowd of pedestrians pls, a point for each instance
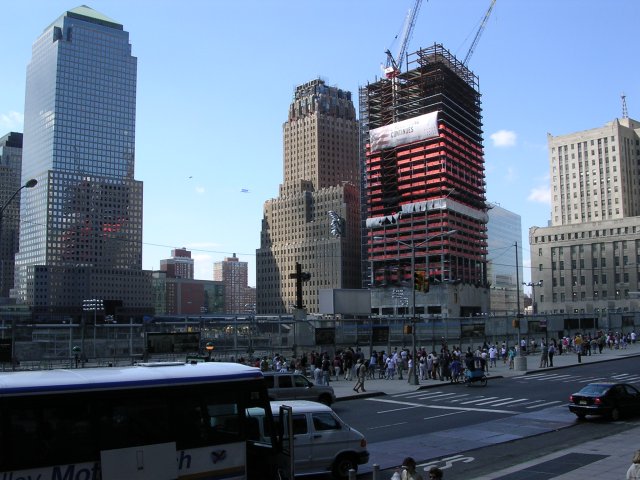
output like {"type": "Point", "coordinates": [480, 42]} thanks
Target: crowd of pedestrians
{"type": "Point", "coordinates": [445, 364]}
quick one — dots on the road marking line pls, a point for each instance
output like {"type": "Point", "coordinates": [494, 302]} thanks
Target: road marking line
{"type": "Point", "coordinates": [534, 402]}
{"type": "Point", "coordinates": [437, 396]}
{"type": "Point", "coordinates": [443, 415]}
{"type": "Point", "coordinates": [461, 396]}
{"type": "Point", "coordinates": [397, 409]}
{"type": "Point", "coordinates": [512, 401]}
{"type": "Point", "coordinates": [410, 394]}
{"type": "Point", "coordinates": [441, 407]}
{"type": "Point", "coordinates": [481, 397]}
{"type": "Point", "coordinates": [500, 399]}
{"type": "Point", "coordinates": [545, 404]}
{"type": "Point", "coordinates": [387, 426]}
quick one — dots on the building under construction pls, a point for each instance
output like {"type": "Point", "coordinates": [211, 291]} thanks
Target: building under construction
{"type": "Point", "coordinates": [424, 186]}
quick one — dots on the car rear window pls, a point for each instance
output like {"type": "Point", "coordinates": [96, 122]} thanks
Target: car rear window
{"type": "Point", "coordinates": [594, 390]}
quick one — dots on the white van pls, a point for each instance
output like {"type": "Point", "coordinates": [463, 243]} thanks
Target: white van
{"type": "Point", "coordinates": [322, 441]}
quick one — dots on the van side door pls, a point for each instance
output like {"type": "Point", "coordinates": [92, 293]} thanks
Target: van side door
{"type": "Point", "coordinates": [329, 438]}
{"type": "Point", "coordinates": [302, 443]}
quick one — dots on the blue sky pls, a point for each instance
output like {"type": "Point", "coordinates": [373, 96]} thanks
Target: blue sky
{"type": "Point", "coordinates": [215, 79]}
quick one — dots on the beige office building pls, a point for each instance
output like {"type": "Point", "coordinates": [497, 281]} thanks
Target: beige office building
{"type": "Point", "coordinates": [589, 258]}
{"type": "Point", "coordinates": [314, 220]}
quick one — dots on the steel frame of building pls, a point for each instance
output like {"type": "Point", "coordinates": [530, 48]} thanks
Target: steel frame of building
{"type": "Point", "coordinates": [437, 183]}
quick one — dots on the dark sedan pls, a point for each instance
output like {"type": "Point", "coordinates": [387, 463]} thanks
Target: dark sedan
{"type": "Point", "coordinates": [606, 398]}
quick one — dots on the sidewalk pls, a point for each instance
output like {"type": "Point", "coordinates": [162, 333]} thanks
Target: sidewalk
{"type": "Point", "coordinates": [344, 389]}
{"type": "Point", "coordinates": [593, 459]}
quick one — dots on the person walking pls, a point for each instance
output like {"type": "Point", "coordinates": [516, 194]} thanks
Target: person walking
{"type": "Point", "coordinates": [361, 374]}
{"type": "Point", "coordinates": [634, 470]}
{"type": "Point", "coordinates": [544, 355]}
{"type": "Point", "coordinates": [552, 352]}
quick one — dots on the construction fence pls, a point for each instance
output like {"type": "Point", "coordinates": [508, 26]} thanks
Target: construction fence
{"type": "Point", "coordinates": [237, 338]}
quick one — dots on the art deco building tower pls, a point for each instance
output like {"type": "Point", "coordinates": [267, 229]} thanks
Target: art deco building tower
{"type": "Point", "coordinates": [81, 227]}
{"type": "Point", "coordinates": [315, 219]}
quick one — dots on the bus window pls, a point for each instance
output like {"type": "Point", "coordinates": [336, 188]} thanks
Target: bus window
{"type": "Point", "coordinates": [49, 430]}
{"type": "Point", "coordinates": [225, 423]}
{"type": "Point", "coordinates": [128, 423]}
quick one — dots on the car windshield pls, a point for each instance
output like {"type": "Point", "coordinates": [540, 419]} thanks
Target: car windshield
{"type": "Point", "coordinates": [594, 389]}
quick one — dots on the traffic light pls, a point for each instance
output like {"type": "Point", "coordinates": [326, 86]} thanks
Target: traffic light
{"type": "Point", "coordinates": [418, 280]}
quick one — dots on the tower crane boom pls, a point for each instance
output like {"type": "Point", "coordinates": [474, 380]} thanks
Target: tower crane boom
{"type": "Point", "coordinates": [392, 66]}
{"type": "Point", "coordinates": [476, 39]}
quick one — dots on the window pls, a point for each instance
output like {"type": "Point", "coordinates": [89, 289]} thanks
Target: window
{"type": "Point", "coordinates": [300, 425]}
{"type": "Point", "coordinates": [325, 421]}
{"type": "Point", "coordinates": [284, 381]}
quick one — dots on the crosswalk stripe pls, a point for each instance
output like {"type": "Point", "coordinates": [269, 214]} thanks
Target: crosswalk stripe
{"type": "Point", "coordinates": [480, 398]}
{"type": "Point", "coordinates": [412, 394]}
{"type": "Point", "coordinates": [460, 397]}
{"type": "Point", "coordinates": [441, 396]}
{"type": "Point", "coordinates": [545, 404]}
{"type": "Point", "coordinates": [498, 399]}
{"type": "Point", "coordinates": [511, 402]}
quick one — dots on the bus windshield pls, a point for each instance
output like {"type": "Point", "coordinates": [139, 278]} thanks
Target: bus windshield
{"type": "Point", "coordinates": [144, 422]}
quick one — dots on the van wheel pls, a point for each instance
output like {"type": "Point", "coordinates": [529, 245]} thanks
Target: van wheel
{"type": "Point", "coordinates": [343, 464]}
{"type": "Point", "coordinates": [326, 399]}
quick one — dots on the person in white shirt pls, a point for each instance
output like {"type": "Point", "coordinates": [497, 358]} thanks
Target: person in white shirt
{"type": "Point", "coordinates": [493, 355]}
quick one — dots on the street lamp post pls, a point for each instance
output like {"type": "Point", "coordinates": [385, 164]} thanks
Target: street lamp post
{"type": "Point", "coordinates": [534, 306]}
{"type": "Point", "coordinates": [92, 305]}
{"type": "Point", "coordinates": [30, 184]}
{"type": "Point", "coordinates": [413, 377]}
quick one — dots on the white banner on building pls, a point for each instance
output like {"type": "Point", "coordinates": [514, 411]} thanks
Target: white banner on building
{"type": "Point", "coordinates": [406, 131]}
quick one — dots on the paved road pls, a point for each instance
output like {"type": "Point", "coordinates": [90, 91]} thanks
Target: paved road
{"type": "Point", "coordinates": [608, 458]}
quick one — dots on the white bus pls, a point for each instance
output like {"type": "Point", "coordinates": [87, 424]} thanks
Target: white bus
{"type": "Point", "coordinates": [150, 421]}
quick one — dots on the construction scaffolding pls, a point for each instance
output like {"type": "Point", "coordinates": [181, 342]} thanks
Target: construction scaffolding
{"type": "Point", "coordinates": [436, 182]}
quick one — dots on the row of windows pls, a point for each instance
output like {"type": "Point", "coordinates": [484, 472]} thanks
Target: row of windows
{"type": "Point", "coordinates": [587, 234]}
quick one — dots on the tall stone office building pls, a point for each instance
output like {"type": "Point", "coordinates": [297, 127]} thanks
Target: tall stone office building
{"type": "Point", "coordinates": [589, 258]}
{"type": "Point", "coordinates": [81, 226]}
{"type": "Point", "coordinates": [10, 169]}
{"type": "Point", "coordinates": [315, 219]}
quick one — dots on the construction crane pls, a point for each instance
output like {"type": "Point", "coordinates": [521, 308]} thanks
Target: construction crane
{"type": "Point", "coordinates": [474, 44]}
{"type": "Point", "coordinates": [392, 68]}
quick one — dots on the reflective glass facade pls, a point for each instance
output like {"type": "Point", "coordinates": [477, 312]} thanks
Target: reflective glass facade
{"type": "Point", "coordinates": [10, 167]}
{"type": "Point", "coordinates": [85, 215]}
{"type": "Point", "coordinates": [504, 230]}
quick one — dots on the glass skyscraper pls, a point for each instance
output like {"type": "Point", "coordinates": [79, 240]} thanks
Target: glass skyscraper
{"type": "Point", "coordinates": [81, 227]}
